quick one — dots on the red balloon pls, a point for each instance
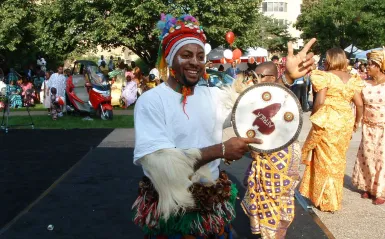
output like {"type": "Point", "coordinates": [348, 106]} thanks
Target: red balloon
{"type": "Point", "coordinates": [230, 37]}
{"type": "Point", "coordinates": [237, 54]}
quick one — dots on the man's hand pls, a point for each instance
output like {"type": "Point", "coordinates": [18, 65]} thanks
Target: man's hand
{"type": "Point", "coordinates": [235, 147]}
{"type": "Point", "coordinates": [299, 65]}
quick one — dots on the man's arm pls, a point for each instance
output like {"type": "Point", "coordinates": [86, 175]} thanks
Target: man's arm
{"type": "Point", "coordinates": [232, 149]}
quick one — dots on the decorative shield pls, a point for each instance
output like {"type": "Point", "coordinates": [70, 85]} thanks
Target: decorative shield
{"type": "Point", "coordinates": [270, 112]}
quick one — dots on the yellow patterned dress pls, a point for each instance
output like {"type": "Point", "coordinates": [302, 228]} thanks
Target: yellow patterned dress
{"type": "Point", "coordinates": [269, 199]}
{"type": "Point", "coordinates": [324, 151]}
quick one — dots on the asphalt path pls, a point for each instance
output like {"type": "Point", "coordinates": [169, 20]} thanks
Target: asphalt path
{"type": "Point", "coordinates": [94, 198]}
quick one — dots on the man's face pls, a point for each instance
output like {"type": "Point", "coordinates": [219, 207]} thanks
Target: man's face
{"type": "Point", "coordinates": [265, 75]}
{"type": "Point", "coordinates": [189, 64]}
{"type": "Point", "coordinates": [60, 70]}
{"type": "Point", "coordinates": [275, 61]}
{"type": "Point", "coordinates": [233, 64]}
{"type": "Point", "coordinates": [211, 65]}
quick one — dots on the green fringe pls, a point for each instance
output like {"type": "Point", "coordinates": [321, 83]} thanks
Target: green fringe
{"type": "Point", "coordinates": [181, 225]}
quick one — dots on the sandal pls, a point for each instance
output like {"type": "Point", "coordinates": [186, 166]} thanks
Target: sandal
{"type": "Point", "coordinates": [366, 195]}
{"type": "Point", "coordinates": [379, 201]}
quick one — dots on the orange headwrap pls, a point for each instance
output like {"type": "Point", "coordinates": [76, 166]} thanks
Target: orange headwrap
{"type": "Point", "coordinates": [377, 56]}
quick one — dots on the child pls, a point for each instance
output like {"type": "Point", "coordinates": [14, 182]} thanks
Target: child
{"type": "Point", "coordinates": [45, 93]}
{"type": "Point", "coordinates": [130, 90]}
{"type": "Point", "coordinates": [55, 104]}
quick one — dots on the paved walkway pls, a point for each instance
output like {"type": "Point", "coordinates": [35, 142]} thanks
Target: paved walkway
{"type": "Point", "coordinates": [359, 218]}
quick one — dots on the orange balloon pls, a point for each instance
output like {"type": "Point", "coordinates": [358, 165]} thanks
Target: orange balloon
{"type": "Point", "coordinates": [229, 61]}
{"type": "Point", "coordinates": [230, 38]}
{"type": "Point", "coordinates": [223, 60]}
{"type": "Point", "coordinates": [237, 54]}
{"type": "Point", "coordinates": [238, 61]}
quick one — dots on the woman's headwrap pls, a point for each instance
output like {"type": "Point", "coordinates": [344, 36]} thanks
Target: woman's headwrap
{"type": "Point", "coordinates": [378, 56]}
{"type": "Point", "coordinates": [129, 73]}
{"type": "Point", "coordinates": [175, 33]}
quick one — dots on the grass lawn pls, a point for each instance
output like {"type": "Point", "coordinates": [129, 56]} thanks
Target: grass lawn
{"type": "Point", "coordinates": [40, 107]}
{"type": "Point", "coordinates": [73, 122]}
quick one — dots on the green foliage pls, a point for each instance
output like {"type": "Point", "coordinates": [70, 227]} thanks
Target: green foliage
{"type": "Point", "coordinates": [338, 23]}
{"type": "Point", "coordinates": [16, 32]}
{"type": "Point", "coordinates": [276, 36]}
{"type": "Point", "coordinates": [79, 24]}
{"type": "Point", "coordinates": [62, 29]}
{"type": "Point", "coordinates": [14, 15]}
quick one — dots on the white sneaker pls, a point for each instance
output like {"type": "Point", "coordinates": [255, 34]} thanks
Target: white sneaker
{"type": "Point", "coordinates": [60, 114]}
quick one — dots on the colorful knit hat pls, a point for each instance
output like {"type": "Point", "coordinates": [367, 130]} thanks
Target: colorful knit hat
{"type": "Point", "coordinates": [177, 32]}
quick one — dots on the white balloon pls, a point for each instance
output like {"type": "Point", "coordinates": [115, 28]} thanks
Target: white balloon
{"type": "Point", "coordinates": [228, 54]}
{"type": "Point", "coordinates": [207, 48]}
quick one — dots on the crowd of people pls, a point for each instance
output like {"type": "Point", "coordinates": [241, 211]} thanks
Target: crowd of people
{"type": "Point", "coordinates": [178, 132]}
{"type": "Point", "coordinates": [179, 124]}
{"type": "Point", "coordinates": [127, 83]}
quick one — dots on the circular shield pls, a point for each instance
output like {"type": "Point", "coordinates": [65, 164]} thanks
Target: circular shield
{"type": "Point", "coordinates": [270, 112]}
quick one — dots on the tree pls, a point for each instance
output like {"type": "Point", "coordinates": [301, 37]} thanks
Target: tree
{"type": "Point", "coordinates": [276, 36]}
{"type": "Point", "coordinates": [67, 25]}
{"type": "Point", "coordinates": [337, 23]}
{"type": "Point", "coordinates": [15, 30]}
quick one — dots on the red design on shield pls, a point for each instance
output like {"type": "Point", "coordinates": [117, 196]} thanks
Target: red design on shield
{"type": "Point", "coordinates": [263, 120]}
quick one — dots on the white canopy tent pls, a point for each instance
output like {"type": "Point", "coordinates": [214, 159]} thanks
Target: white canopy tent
{"type": "Point", "coordinates": [256, 52]}
{"type": "Point", "coordinates": [355, 50]}
{"type": "Point", "coordinates": [362, 55]}
{"type": "Point", "coordinates": [217, 54]}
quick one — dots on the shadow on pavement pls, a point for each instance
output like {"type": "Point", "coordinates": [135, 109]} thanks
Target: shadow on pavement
{"type": "Point", "coordinates": [95, 199]}
{"type": "Point", "coordinates": [31, 160]}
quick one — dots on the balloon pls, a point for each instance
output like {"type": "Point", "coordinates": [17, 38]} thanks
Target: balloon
{"type": "Point", "coordinates": [237, 54]}
{"type": "Point", "coordinates": [207, 48]}
{"type": "Point", "coordinates": [251, 60]}
{"type": "Point", "coordinates": [229, 61]}
{"type": "Point", "coordinates": [228, 54]}
{"type": "Point", "coordinates": [238, 61]}
{"type": "Point", "coordinates": [223, 60]}
{"type": "Point", "coordinates": [230, 37]}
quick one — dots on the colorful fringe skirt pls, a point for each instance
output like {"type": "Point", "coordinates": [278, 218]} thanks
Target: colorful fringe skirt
{"type": "Point", "coordinates": [211, 218]}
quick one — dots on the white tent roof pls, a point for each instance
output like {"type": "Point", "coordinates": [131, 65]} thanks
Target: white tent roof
{"type": "Point", "coordinates": [217, 53]}
{"type": "Point", "coordinates": [362, 54]}
{"type": "Point", "coordinates": [354, 51]}
{"type": "Point", "coordinates": [255, 52]}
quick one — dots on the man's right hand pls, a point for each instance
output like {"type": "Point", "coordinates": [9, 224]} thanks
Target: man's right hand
{"type": "Point", "coordinates": [235, 147]}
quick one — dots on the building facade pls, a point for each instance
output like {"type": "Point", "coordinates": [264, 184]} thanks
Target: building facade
{"type": "Point", "coordinates": [284, 12]}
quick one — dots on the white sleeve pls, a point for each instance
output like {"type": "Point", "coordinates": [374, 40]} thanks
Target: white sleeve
{"type": "Point", "coordinates": [150, 126]}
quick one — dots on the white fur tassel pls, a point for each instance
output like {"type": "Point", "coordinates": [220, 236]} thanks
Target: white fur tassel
{"type": "Point", "coordinates": [172, 172]}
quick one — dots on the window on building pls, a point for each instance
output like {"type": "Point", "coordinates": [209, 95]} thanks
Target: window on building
{"type": "Point", "coordinates": [281, 6]}
{"type": "Point", "coordinates": [274, 7]}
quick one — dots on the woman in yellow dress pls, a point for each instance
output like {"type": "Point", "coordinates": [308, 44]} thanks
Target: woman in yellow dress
{"type": "Point", "coordinates": [324, 151]}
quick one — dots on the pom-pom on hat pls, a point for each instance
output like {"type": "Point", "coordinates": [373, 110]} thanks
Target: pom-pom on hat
{"type": "Point", "coordinates": [177, 32]}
